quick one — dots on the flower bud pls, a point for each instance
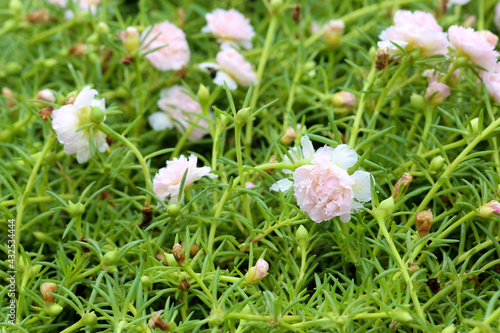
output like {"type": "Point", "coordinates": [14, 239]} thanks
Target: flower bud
{"type": "Point", "coordinates": [203, 95]}
{"type": "Point", "coordinates": [38, 16]}
{"type": "Point", "coordinates": [276, 5]}
{"type": "Point", "coordinates": [216, 318]}
{"type": "Point", "coordinates": [76, 209]}
{"type": "Point", "coordinates": [449, 329]}
{"type": "Point", "coordinates": [96, 114]}
{"type": "Point", "coordinates": [490, 209]}
{"type": "Point", "coordinates": [401, 315]}
{"type": "Point", "coordinates": [130, 38]}
{"type": "Point", "coordinates": [110, 257]}
{"type": "Point", "coordinates": [185, 285]}
{"type": "Point", "coordinates": [344, 99]}
{"type": "Point", "coordinates": [289, 136]}
{"type": "Point", "coordinates": [461, 61]}
{"type": "Point", "coordinates": [179, 254]}
{"type": "Point", "coordinates": [301, 234]}
{"type": "Point", "coordinates": [333, 31]}
{"type": "Point", "coordinates": [424, 222]}
{"type": "Point", "coordinates": [47, 288]}
{"type": "Point", "coordinates": [49, 63]}
{"type": "Point", "coordinates": [102, 28]}
{"type": "Point", "coordinates": [174, 210]}
{"type": "Point", "coordinates": [418, 102]}
{"type": "Point", "coordinates": [468, 22]}
{"type": "Point", "coordinates": [156, 322]}
{"type": "Point", "coordinates": [242, 116]}
{"type": "Point", "coordinates": [490, 37]}
{"type": "Point", "coordinates": [387, 205]}
{"type": "Point", "coordinates": [46, 95]}
{"type": "Point", "coordinates": [89, 318]}
{"type": "Point", "coordinates": [437, 163]}
{"type": "Point", "coordinates": [405, 180]}
{"type": "Point", "coordinates": [16, 6]}
{"type": "Point", "coordinates": [437, 92]}
{"type": "Point", "coordinates": [382, 58]}
{"type": "Point", "coordinates": [413, 267]}
{"type": "Point", "coordinates": [13, 67]}
{"type": "Point", "coordinates": [10, 97]}
{"type": "Point", "coordinates": [146, 281]}
{"type": "Point", "coordinates": [474, 124]}
{"type": "Point", "coordinates": [256, 273]}
{"type": "Point", "coordinates": [55, 310]}
{"type": "Point", "coordinates": [170, 260]}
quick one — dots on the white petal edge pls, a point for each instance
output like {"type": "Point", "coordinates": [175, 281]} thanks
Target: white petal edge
{"type": "Point", "coordinates": [222, 77]}
{"type": "Point", "coordinates": [282, 185]}
{"type": "Point", "coordinates": [307, 147]}
{"type": "Point", "coordinates": [204, 66]}
{"type": "Point", "coordinates": [160, 121]}
{"type": "Point", "coordinates": [344, 157]}
{"type": "Point", "coordinates": [345, 218]}
{"type": "Point", "coordinates": [362, 187]}
{"type": "Point", "coordinates": [85, 97]}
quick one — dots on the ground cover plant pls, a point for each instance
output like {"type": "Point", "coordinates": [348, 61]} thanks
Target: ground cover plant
{"type": "Point", "coordinates": [249, 166]}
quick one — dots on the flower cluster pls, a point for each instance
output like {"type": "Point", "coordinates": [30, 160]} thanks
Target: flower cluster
{"type": "Point", "coordinates": [179, 110]}
{"type": "Point", "coordinates": [230, 27]}
{"type": "Point", "coordinates": [323, 188]}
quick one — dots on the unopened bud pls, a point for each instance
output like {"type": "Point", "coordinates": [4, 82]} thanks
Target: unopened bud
{"type": "Point", "coordinates": [301, 234]}
{"type": "Point", "coordinates": [474, 124]}
{"type": "Point", "coordinates": [146, 281]}
{"type": "Point", "coordinates": [38, 16]}
{"type": "Point", "coordinates": [76, 209]}
{"type": "Point", "coordinates": [344, 99]}
{"type": "Point", "coordinates": [216, 318]}
{"type": "Point", "coordinates": [405, 180]}
{"type": "Point", "coordinates": [47, 288]}
{"type": "Point", "coordinates": [418, 102]}
{"type": "Point", "coordinates": [178, 253]}
{"type": "Point", "coordinates": [54, 310]}
{"type": "Point", "coordinates": [401, 315]}
{"type": "Point", "coordinates": [382, 58]}
{"type": "Point", "coordinates": [437, 92]}
{"type": "Point", "coordinates": [387, 205]}
{"type": "Point", "coordinates": [437, 163]}
{"type": "Point", "coordinates": [424, 222]}
{"type": "Point", "coordinates": [256, 273]}
{"type": "Point", "coordinates": [46, 95]}
{"type": "Point", "coordinates": [174, 210]}
{"type": "Point", "coordinates": [242, 116]}
{"type": "Point", "coordinates": [102, 28]}
{"type": "Point", "coordinates": [110, 257]}
{"type": "Point", "coordinates": [276, 5]}
{"type": "Point", "coordinates": [16, 6]}
{"type": "Point", "coordinates": [89, 319]}
{"type": "Point", "coordinates": [469, 21]}
{"type": "Point", "coordinates": [9, 97]}
{"type": "Point", "coordinates": [296, 12]}
{"type": "Point", "coordinates": [289, 136]}
{"type": "Point", "coordinates": [130, 39]}
{"type": "Point", "coordinates": [203, 95]}
{"type": "Point", "coordinates": [96, 114]}
{"type": "Point", "coordinates": [490, 209]}
{"type": "Point", "coordinates": [13, 67]}
{"type": "Point", "coordinates": [333, 31]}
{"type": "Point", "coordinates": [413, 267]}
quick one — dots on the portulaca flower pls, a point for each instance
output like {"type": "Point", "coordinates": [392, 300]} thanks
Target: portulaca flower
{"type": "Point", "coordinates": [437, 92]}
{"type": "Point", "coordinates": [82, 5]}
{"type": "Point", "coordinates": [256, 273]}
{"type": "Point", "coordinates": [492, 82]}
{"type": "Point", "coordinates": [230, 27]}
{"type": "Point", "coordinates": [473, 45]}
{"type": "Point", "coordinates": [178, 109]}
{"type": "Point", "coordinates": [232, 68]}
{"type": "Point", "coordinates": [70, 117]}
{"type": "Point", "coordinates": [172, 50]}
{"type": "Point", "coordinates": [415, 30]}
{"type": "Point", "coordinates": [323, 188]}
{"type": "Point", "coordinates": [167, 182]}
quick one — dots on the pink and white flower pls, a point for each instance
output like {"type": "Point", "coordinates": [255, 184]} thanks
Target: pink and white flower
{"type": "Point", "coordinates": [415, 30]}
{"type": "Point", "coordinates": [437, 92]}
{"type": "Point", "coordinates": [261, 268]}
{"type": "Point", "coordinates": [167, 182]}
{"type": "Point", "coordinates": [230, 27]}
{"type": "Point", "coordinates": [130, 38]}
{"type": "Point", "coordinates": [172, 50]}
{"type": "Point", "coordinates": [179, 110]}
{"type": "Point", "coordinates": [473, 45]}
{"type": "Point", "coordinates": [492, 82]}
{"type": "Point", "coordinates": [231, 68]}
{"type": "Point", "coordinates": [67, 119]}
{"type": "Point", "coordinates": [323, 188]}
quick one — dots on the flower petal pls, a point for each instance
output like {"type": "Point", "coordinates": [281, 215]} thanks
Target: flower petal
{"type": "Point", "coordinates": [362, 187]}
{"type": "Point", "coordinates": [307, 147]}
{"type": "Point", "coordinates": [85, 97]}
{"type": "Point", "coordinates": [344, 157]}
{"type": "Point", "coordinates": [160, 121]}
{"type": "Point", "coordinates": [281, 185]}
{"type": "Point", "coordinates": [222, 77]}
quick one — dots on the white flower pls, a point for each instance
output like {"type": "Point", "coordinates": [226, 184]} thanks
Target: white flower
{"type": "Point", "coordinates": [69, 118]}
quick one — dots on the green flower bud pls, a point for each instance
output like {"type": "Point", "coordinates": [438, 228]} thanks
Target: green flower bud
{"type": "Point", "coordinates": [462, 61]}
{"type": "Point", "coordinates": [76, 209]}
{"type": "Point", "coordinates": [474, 124]}
{"type": "Point", "coordinates": [216, 318]}
{"type": "Point", "coordinates": [89, 318]}
{"type": "Point", "coordinates": [96, 114]}
{"type": "Point", "coordinates": [401, 315]}
{"type": "Point", "coordinates": [13, 68]}
{"type": "Point", "coordinates": [174, 210]}
{"type": "Point", "coordinates": [146, 281]}
{"type": "Point", "coordinates": [276, 5]}
{"type": "Point", "coordinates": [203, 95]}
{"type": "Point", "coordinates": [55, 310]}
{"type": "Point", "coordinates": [102, 28]}
{"type": "Point", "coordinates": [93, 39]}
{"type": "Point", "coordinates": [437, 163]}
{"type": "Point", "coordinates": [418, 102]}
{"type": "Point", "coordinates": [242, 116]}
{"type": "Point", "coordinates": [49, 63]}
{"type": "Point", "coordinates": [301, 234]}
{"type": "Point", "coordinates": [110, 257]}
{"type": "Point", "coordinates": [169, 257]}
{"type": "Point", "coordinates": [110, 269]}
{"type": "Point", "coordinates": [372, 53]}
{"type": "Point", "coordinates": [16, 6]}
{"type": "Point", "coordinates": [387, 204]}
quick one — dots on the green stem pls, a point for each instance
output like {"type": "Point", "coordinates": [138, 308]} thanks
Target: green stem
{"type": "Point", "coordinates": [428, 121]}
{"type": "Point", "coordinates": [446, 174]}
{"type": "Point", "coordinates": [271, 31]}
{"type": "Point", "coordinates": [361, 109]}
{"type": "Point", "coordinates": [475, 249]}
{"type": "Point", "coordinates": [74, 327]}
{"type": "Point", "coordinates": [145, 169]}
{"type": "Point", "coordinates": [402, 267]}
{"type": "Point", "coordinates": [198, 280]}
